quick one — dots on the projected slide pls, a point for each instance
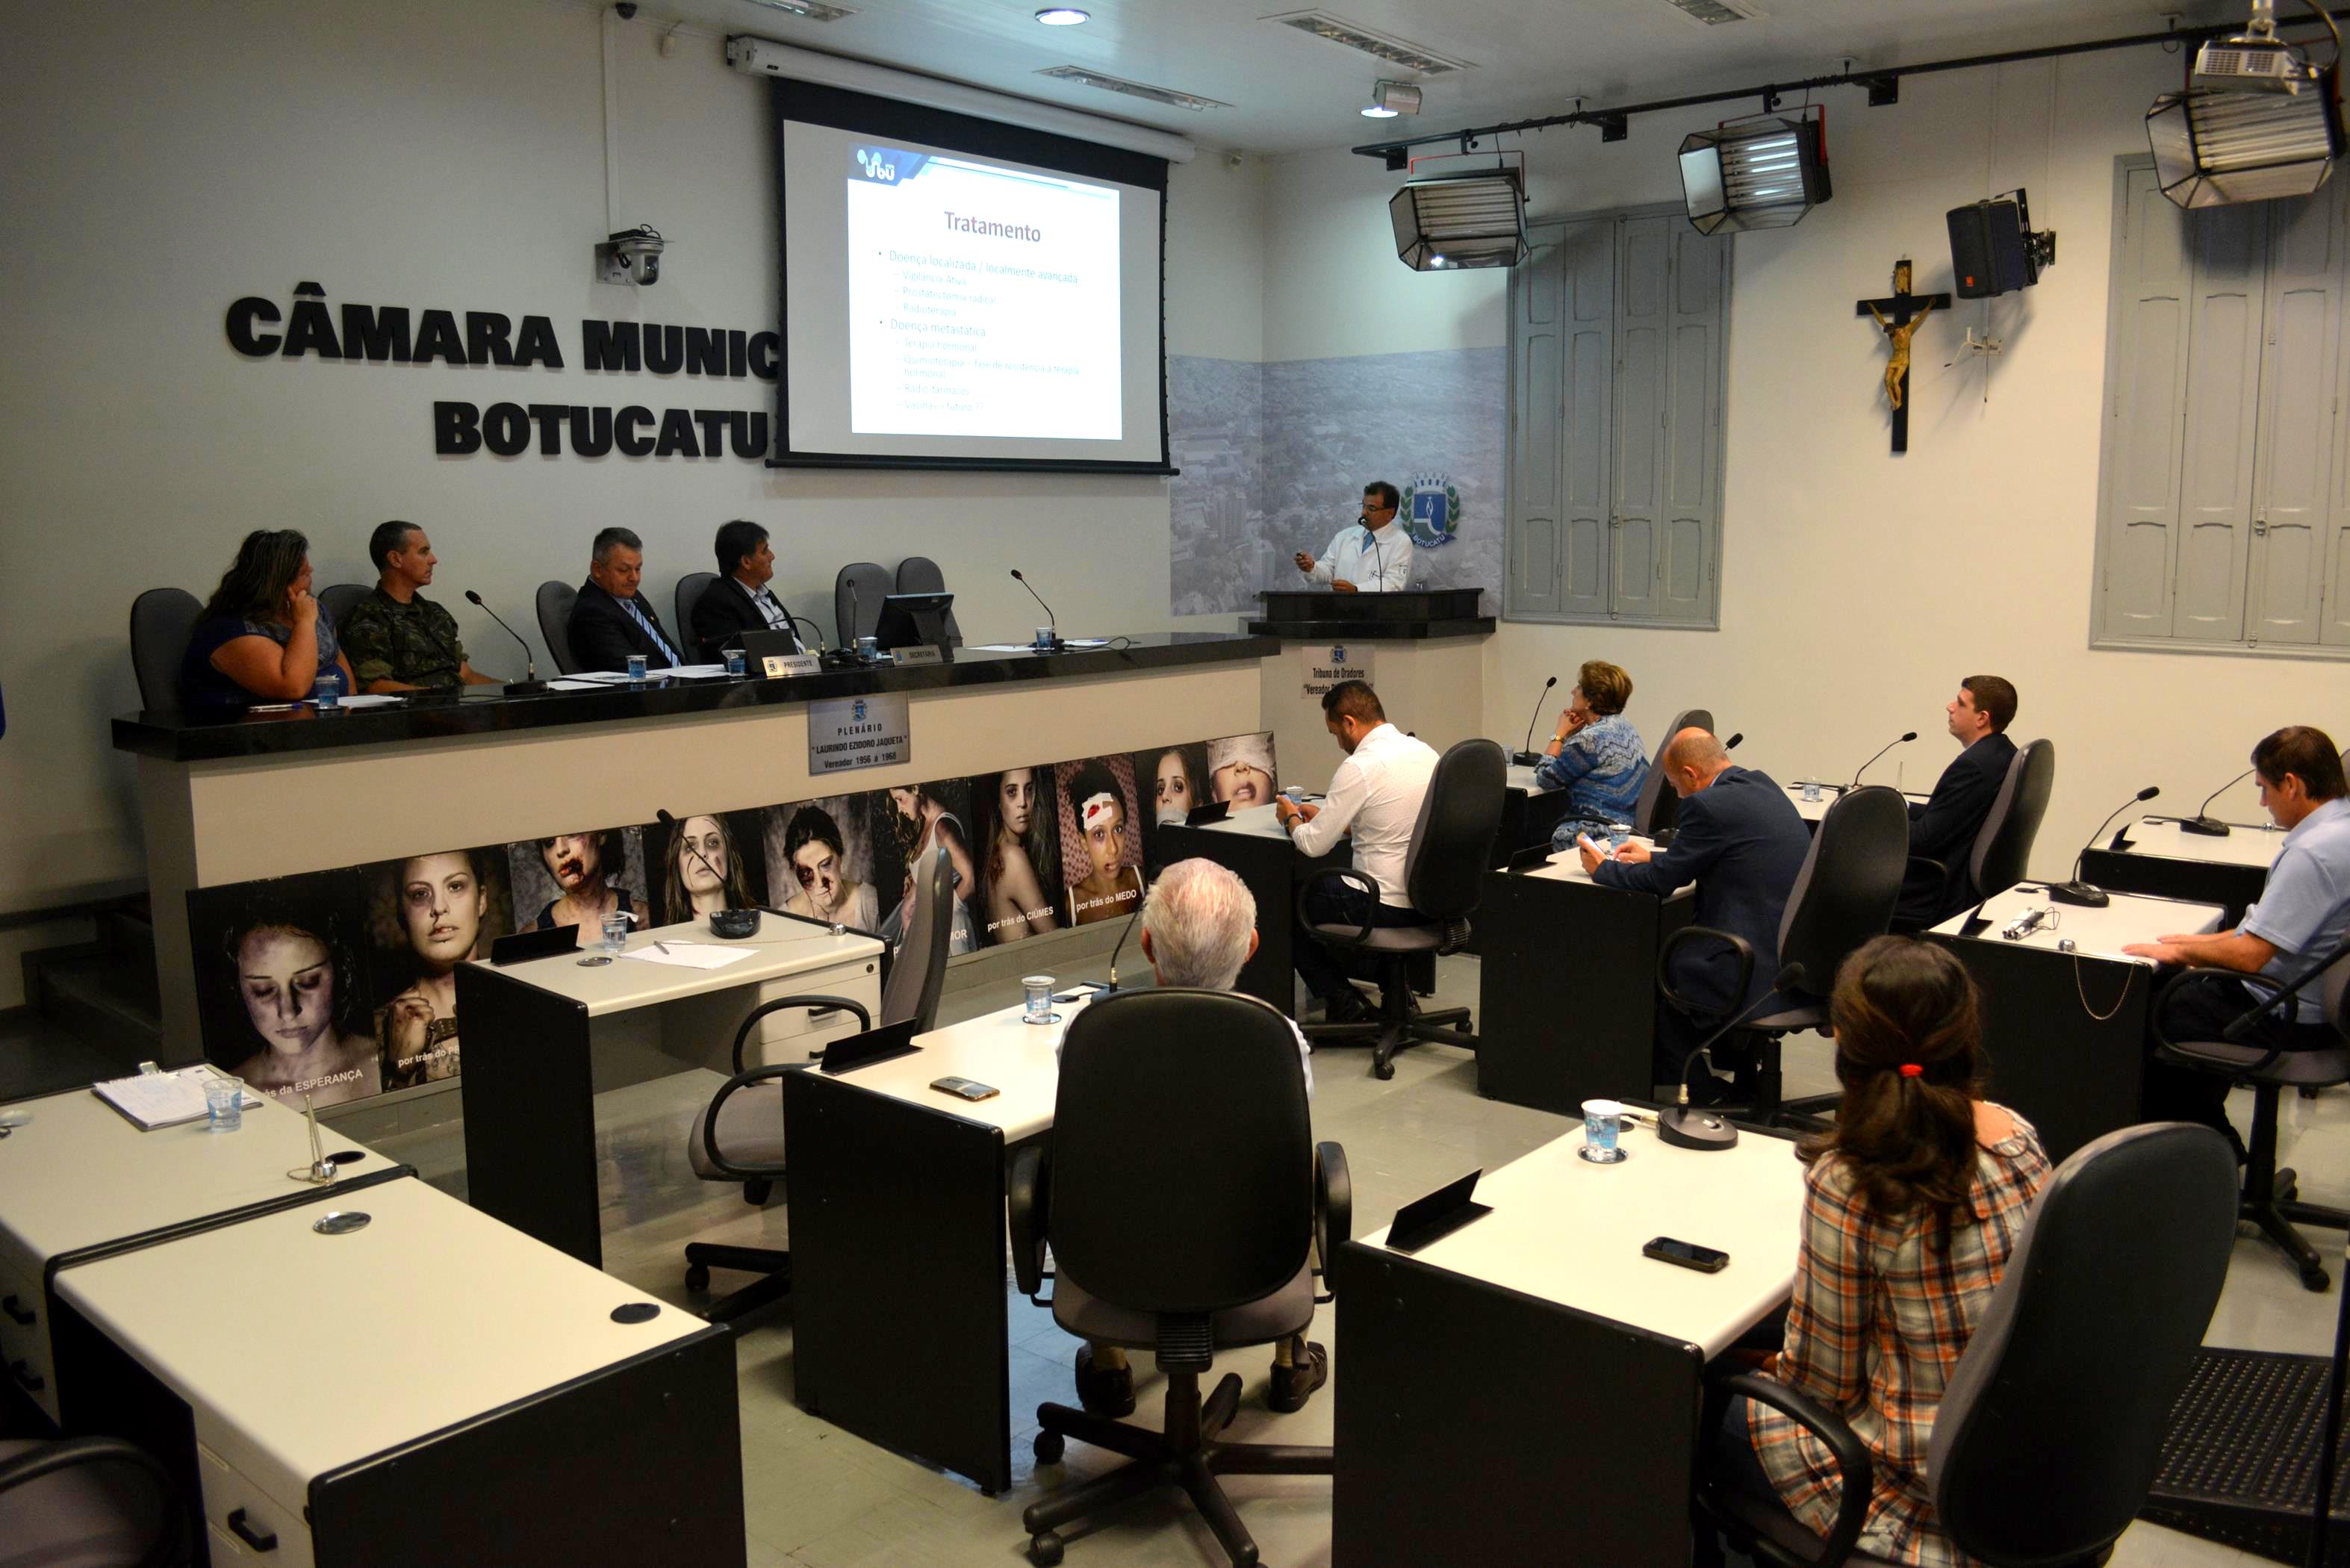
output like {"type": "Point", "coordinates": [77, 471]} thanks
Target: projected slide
{"type": "Point", "coordinates": [983, 301]}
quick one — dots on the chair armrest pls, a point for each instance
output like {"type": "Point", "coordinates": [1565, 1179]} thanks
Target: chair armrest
{"type": "Point", "coordinates": [1940, 868]}
{"type": "Point", "coordinates": [743, 1035]}
{"type": "Point", "coordinates": [45, 1459]}
{"type": "Point", "coordinates": [1738, 945]}
{"type": "Point", "coordinates": [2278, 990]}
{"type": "Point", "coordinates": [1850, 1454]}
{"type": "Point", "coordinates": [1347, 874]}
{"type": "Point", "coordinates": [1026, 1202]}
{"type": "Point", "coordinates": [726, 1091]}
{"type": "Point", "coordinates": [1334, 1203]}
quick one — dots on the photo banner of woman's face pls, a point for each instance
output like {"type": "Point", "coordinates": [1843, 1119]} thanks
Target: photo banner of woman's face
{"type": "Point", "coordinates": [341, 984]}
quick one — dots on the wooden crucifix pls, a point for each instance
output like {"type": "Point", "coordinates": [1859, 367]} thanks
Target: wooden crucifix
{"type": "Point", "coordinates": [1900, 316]}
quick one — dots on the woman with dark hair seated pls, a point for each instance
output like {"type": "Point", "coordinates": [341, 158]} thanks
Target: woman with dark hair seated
{"type": "Point", "coordinates": [260, 638]}
{"type": "Point", "coordinates": [1912, 1204]}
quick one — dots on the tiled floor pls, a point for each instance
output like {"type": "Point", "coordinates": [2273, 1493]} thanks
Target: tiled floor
{"type": "Point", "coordinates": [818, 1497]}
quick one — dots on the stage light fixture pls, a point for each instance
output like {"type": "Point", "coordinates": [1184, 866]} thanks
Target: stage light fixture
{"type": "Point", "coordinates": [1765, 173]}
{"type": "Point", "coordinates": [1453, 222]}
{"type": "Point", "coordinates": [2217, 148]}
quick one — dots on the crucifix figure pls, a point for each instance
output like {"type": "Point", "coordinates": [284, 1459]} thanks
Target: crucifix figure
{"type": "Point", "coordinates": [1899, 317]}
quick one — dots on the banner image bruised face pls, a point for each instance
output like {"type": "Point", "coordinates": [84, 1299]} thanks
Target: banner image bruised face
{"type": "Point", "coordinates": [293, 997]}
{"type": "Point", "coordinates": [1103, 845]}
{"type": "Point", "coordinates": [1240, 769]}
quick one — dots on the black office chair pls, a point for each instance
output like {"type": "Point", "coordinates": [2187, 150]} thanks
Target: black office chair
{"type": "Point", "coordinates": [2002, 846]}
{"type": "Point", "coordinates": [554, 602]}
{"type": "Point", "coordinates": [1185, 1203]}
{"type": "Point", "coordinates": [857, 609]}
{"type": "Point", "coordinates": [91, 1502]}
{"type": "Point", "coordinates": [1442, 874]}
{"type": "Point", "coordinates": [739, 1136]}
{"type": "Point", "coordinates": [336, 602]}
{"type": "Point", "coordinates": [1659, 803]}
{"type": "Point", "coordinates": [2048, 1436]}
{"type": "Point", "coordinates": [1843, 896]}
{"type": "Point", "coordinates": [2269, 1199]}
{"type": "Point", "coordinates": [162, 622]}
{"type": "Point", "coordinates": [689, 589]}
{"type": "Point", "coordinates": [920, 574]}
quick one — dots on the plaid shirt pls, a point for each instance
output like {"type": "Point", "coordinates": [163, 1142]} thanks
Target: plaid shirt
{"type": "Point", "coordinates": [1882, 1311]}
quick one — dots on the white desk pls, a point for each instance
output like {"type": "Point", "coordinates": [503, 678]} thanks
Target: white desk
{"type": "Point", "coordinates": [1252, 845]}
{"type": "Point", "coordinates": [2157, 858]}
{"type": "Point", "coordinates": [434, 1387]}
{"type": "Point", "coordinates": [1580, 1448]}
{"type": "Point", "coordinates": [998, 1049]}
{"type": "Point", "coordinates": [2066, 1031]}
{"type": "Point", "coordinates": [543, 1038]}
{"type": "Point", "coordinates": [79, 1179]}
{"type": "Point", "coordinates": [1812, 811]}
{"type": "Point", "coordinates": [2256, 846]}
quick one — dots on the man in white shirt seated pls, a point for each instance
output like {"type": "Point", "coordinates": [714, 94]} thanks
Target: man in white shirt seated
{"type": "Point", "coordinates": [1371, 556]}
{"type": "Point", "coordinates": [1199, 928]}
{"type": "Point", "coordinates": [1375, 795]}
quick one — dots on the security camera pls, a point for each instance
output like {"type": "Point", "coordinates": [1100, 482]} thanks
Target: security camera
{"type": "Point", "coordinates": [632, 255]}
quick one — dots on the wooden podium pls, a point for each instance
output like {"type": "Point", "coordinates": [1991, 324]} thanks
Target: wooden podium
{"type": "Point", "coordinates": [1422, 649]}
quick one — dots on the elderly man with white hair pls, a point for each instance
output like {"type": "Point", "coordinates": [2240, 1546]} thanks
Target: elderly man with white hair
{"type": "Point", "coordinates": [1198, 927]}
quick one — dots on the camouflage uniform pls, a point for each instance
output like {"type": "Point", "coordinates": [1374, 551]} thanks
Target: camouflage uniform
{"type": "Point", "coordinates": [414, 642]}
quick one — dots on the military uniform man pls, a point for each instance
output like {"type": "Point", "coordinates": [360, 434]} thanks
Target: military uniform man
{"type": "Point", "coordinates": [398, 640]}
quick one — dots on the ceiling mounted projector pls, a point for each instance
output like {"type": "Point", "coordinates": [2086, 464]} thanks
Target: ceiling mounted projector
{"type": "Point", "coordinates": [1453, 222]}
{"type": "Point", "coordinates": [1765, 173]}
{"type": "Point", "coordinates": [2254, 61]}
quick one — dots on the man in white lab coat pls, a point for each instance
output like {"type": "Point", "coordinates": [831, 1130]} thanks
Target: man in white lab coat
{"type": "Point", "coordinates": [1372, 556]}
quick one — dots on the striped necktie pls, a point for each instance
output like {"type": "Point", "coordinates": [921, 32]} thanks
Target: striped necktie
{"type": "Point", "coordinates": [645, 622]}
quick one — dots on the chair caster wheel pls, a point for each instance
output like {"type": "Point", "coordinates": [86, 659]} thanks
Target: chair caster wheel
{"type": "Point", "coordinates": [697, 1278]}
{"type": "Point", "coordinates": [1049, 1447]}
{"type": "Point", "coordinates": [1383, 1071]}
{"type": "Point", "coordinates": [1044, 1550]}
{"type": "Point", "coordinates": [2314, 1280]}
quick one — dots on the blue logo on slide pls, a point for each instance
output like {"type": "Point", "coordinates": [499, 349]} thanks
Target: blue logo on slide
{"type": "Point", "coordinates": [1431, 509]}
{"type": "Point", "coordinates": [888, 165]}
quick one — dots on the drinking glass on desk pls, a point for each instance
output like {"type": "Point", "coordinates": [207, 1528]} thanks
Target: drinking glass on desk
{"type": "Point", "coordinates": [1038, 1007]}
{"type": "Point", "coordinates": [735, 663]}
{"type": "Point", "coordinates": [1603, 1131]}
{"type": "Point", "coordinates": [223, 1104]}
{"type": "Point", "coordinates": [636, 668]}
{"type": "Point", "coordinates": [615, 934]}
{"type": "Point", "coordinates": [1811, 789]}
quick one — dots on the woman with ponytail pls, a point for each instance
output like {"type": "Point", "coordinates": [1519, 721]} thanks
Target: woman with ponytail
{"type": "Point", "coordinates": [1911, 1205]}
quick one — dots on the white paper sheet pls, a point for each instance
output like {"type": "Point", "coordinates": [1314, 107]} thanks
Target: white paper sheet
{"type": "Point", "coordinates": [689, 955]}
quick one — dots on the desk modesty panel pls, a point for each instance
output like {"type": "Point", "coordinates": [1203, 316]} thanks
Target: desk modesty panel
{"type": "Point", "coordinates": [385, 785]}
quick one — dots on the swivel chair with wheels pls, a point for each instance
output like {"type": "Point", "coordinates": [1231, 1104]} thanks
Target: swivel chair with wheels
{"type": "Point", "coordinates": [91, 1502]}
{"type": "Point", "coordinates": [1653, 814]}
{"type": "Point", "coordinates": [739, 1136]}
{"type": "Point", "coordinates": [2002, 845]}
{"type": "Point", "coordinates": [1184, 1202]}
{"type": "Point", "coordinates": [1844, 896]}
{"type": "Point", "coordinates": [1442, 874]}
{"type": "Point", "coordinates": [336, 602]}
{"type": "Point", "coordinates": [2269, 1199]}
{"type": "Point", "coordinates": [554, 605]}
{"type": "Point", "coordinates": [2049, 1433]}
{"type": "Point", "coordinates": [162, 620]}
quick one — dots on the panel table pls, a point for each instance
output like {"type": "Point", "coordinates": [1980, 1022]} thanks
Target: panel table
{"type": "Point", "coordinates": [2156, 856]}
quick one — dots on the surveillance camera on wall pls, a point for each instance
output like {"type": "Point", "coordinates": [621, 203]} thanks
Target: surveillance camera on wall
{"type": "Point", "coordinates": [632, 255]}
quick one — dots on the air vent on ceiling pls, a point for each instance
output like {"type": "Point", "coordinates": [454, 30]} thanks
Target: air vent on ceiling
{"type": "Point", "coordinates": [1168, 96]}
{"type": "Point", "coordinates": [1393, 51]}
{"type": "Point", "coordinates": [810, 10]}
{"type": "Point", "coordinates": [1714, 13]}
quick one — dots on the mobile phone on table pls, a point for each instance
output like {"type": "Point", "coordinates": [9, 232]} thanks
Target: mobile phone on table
{"type": "Point", "coordinates": [966, 1088]}
{"type": "Point", "coordinates": [1687, 1254]}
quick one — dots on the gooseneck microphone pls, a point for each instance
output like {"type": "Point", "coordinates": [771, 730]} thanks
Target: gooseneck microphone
{"type": "Point", "coordinates": [530, 680]}
{"type": "Point", "coordinates": [1527, 756]}
{"type": "Point", "coordinates": [1684, 1125]}
{"type": "Point", "coordinates": [2083, 893]}
{"type": "Point", "coordinates": [798, 621]}
{"type": "Point", "coordinates": [2203, 822]}
{"type": "Point", "coordinates": [1052, 621]}
{"type": "Point", "coordinates": [1732, 744]}
{"type": "Point", "coordinates": [1120, 945]}
{"type": "Point", "coordinates": [1881, 750]}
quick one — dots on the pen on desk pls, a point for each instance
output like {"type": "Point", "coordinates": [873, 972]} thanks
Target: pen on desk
{"type": "Point", "coordinates": [660, 946]}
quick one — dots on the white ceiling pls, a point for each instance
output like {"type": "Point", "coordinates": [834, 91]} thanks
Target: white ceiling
{"type": "Point", "coordinates": [1292, 91]}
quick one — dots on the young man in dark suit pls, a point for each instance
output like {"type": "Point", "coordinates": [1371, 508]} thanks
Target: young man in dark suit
{"type": "Point", "coordinates": [611, 619]}
{"type": "Point", "coordinates": [739, 601]}
{"type": "Point", "coordinates": [1741, 840]}
{"type": "Point", "coordinates": [1944, 827]}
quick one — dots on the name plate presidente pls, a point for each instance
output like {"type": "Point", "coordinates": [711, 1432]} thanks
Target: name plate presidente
{"type": "Point", "coordinates": [776, 665]}
{"type": "Point", "coordinates": [859, 733]}
{"type": "Point", "coordinates": [1327, 663]}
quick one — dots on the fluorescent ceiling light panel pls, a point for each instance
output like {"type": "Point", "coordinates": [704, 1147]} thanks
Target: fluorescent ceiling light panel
{"type": "Point", "coordinates": [808, 10]}
{"type": "Point", "coordinates": [1169, 96]}
{"type": "Point", "coordinates": [1390, 50]}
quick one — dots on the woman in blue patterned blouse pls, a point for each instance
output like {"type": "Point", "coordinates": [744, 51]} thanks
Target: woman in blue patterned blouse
{"type": "Point", "coordinates": [1594, 755]}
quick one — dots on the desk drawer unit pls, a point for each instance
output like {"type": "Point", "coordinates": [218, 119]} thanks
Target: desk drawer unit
{"type": "Point", "coordinates": [25, 1341]}
{"type": "Point", "coordinates": [244, 1523]}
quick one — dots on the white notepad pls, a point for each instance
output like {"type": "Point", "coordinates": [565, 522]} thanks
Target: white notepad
{"type": "Point", "coordinates": [689, 955]}
{"type": "Point", "coordinates": [154, 1100]}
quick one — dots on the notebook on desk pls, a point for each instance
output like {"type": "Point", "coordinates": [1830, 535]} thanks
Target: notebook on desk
{"type": "Point", "coordinates": [152, 1100]}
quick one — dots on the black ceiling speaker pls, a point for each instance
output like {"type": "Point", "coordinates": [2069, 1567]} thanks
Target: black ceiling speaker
{"type": "Point", "coordinates": [1993, 250]}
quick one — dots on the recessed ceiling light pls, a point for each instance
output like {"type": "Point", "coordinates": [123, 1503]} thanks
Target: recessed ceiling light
{"type": "Point", "coordinates": [1063, 15]}
{"type": "Point", "coordinates": [1377, 111]}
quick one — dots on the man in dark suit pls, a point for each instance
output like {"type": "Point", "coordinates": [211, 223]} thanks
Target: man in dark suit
{"type": "Point", "coordinates": [1741, 840]}
{"type": "Point", "coordinates": [1944, 827]}
{"type": "Point", "coordinates": [611, 619]}
{"type": "Point", "coordinates": [739, 601]}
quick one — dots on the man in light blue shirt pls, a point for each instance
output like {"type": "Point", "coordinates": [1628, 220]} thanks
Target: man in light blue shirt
{"type": "Point", "coordinates": [2302, 914]}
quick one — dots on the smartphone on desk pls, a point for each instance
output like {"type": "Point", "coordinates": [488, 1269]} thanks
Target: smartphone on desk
{"type": "Point", "coordinates": [966, 1088]}
{"type": "Point", "coordinates": [1687, 1255]}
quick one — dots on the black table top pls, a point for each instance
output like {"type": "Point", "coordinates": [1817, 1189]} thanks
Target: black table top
{"type": "Point", "coordinates": [1373, 630]}
{"type": "Point", "coordinates": [487, 710]}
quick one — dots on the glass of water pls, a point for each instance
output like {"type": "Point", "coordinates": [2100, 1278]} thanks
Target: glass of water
{"type": "Point", "coordinates": [636, 667]}
{"type": "Point", "coordinates": [735, 664]}
{"type": "Point", "coordinates": [1037, 1004]}
{"type": "Point", "coordinates": [223, 1104]}
{"type": "Point", "coordinates": [1603, 1132]}
{"type": "Point", "coordinates": [1811, 789]}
